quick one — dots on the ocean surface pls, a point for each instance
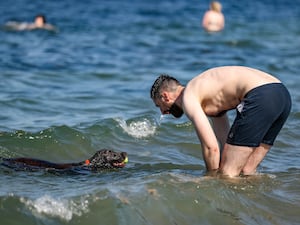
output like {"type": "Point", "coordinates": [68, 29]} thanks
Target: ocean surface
{"type": "Point", "coordinates": [68, 93]}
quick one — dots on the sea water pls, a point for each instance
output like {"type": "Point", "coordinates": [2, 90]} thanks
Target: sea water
{"type": "Point", "coordinates": [68, 93]}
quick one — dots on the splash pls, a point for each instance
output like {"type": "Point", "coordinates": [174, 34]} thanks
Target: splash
{"type": "Point", "coordinates": [138, 129]}
{"type": "Point", "coordinates": [161, 118]}
{"type": "Point", "coordinates": [62, 209]}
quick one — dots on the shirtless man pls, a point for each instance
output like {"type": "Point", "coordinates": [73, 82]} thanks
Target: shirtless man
{"type": "Point", "coordinates": [39, 23]}
{"type": "Point", "coordinates": [213, 19]}
{"type": "Point", "coordinates": [262, 106]}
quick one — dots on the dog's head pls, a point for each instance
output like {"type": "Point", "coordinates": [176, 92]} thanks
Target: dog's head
{"type": "Point", "coordinates": [108, 159]}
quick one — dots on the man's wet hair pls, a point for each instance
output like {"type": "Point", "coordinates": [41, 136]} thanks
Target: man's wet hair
{"type": "Point", "coordinates": [164, 81]}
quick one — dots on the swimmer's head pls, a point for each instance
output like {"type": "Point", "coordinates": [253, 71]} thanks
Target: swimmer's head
{"type": "Point", "coordinates": [40, 20]}
{"type": "Point", "coordinates": [216, 6]}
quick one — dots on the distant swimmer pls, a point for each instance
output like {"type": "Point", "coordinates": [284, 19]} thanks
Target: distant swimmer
{"type": "Point", "coordinates": [39, 23]}
{"type": "Point", "coordinates": [213, 19]}
{"type": "Point", "coordinates": [262, 105]}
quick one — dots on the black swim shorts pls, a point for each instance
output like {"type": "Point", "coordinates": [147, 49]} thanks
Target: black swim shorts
{"type": "Point", "coordinates": [260, 116]}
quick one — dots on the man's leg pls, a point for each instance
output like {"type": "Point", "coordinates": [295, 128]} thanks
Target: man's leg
{"type": "Point", "coordinates": [234, 159]}
{"type": "Point", "coordinates": [255, 159]}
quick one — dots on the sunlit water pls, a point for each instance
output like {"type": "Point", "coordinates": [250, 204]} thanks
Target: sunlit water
{"type": "Point", "coordinates": [66, 94]}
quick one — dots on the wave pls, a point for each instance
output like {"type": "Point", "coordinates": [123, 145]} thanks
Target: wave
{"type": "Point", "coordinates": [138, 128]}
{"type": "Point", "coordinates": [54, 142]}
{"type": "Point", "coordinates": [61, 208]}
{"type": "Point", "coordinates": [72, 144]}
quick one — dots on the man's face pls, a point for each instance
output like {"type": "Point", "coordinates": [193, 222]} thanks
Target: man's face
{"type": "Point", "coordinates": [168, 107]}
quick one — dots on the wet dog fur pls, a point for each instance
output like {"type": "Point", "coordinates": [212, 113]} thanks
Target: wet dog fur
{"type": "Point", "coordinates": [102, 159]}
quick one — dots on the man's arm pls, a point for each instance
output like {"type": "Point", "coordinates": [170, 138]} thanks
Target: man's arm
{"type": "Point", "coordinates": [210, 147]}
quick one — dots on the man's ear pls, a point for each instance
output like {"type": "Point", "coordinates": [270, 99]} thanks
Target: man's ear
{"type": "Point", "coordinates": [165, 96]}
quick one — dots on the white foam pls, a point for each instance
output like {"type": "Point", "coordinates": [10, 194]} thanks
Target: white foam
{"type": "Point", "coordinates": [64, 209]}
{"type": "Point", "coordinates": [161, 118]}
{"type": "Point", "coordinates": [138, 129]}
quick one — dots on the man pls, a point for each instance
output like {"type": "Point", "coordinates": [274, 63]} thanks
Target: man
{"type": "Point", "coordinates": [39, 23]}
{"type": "Point", "coordinates": [262, 105]}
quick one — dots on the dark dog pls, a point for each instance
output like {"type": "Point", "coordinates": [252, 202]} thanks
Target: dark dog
{"type": "Point", "coordinates": [102, 159]}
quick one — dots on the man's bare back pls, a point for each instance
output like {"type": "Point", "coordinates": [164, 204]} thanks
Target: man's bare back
{"type": "Point", "coordinates": [222, 88]}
